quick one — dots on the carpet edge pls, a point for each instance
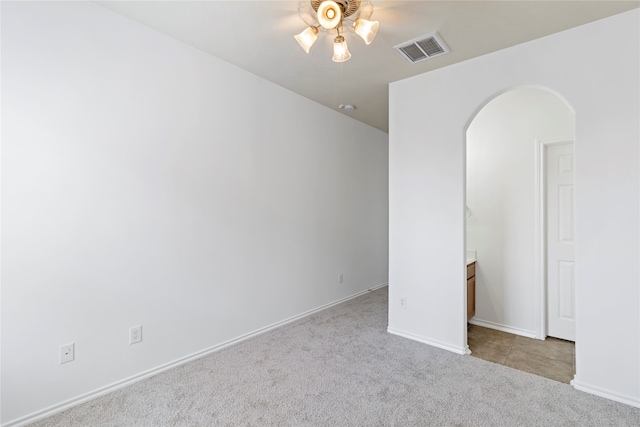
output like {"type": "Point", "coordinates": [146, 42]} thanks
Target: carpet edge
{"type": "Point", "coordinates": [86, 397]}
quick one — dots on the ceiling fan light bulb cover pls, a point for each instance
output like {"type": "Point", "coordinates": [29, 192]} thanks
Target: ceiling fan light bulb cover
{"type": "Point", "coordinates": [329, 14]}
{"type": "Point", "coordinates": [307, 38]}
{"type": "Point", "coordinates": [366, 29]}
{"type": "Point", "coordinates": [340, 50]}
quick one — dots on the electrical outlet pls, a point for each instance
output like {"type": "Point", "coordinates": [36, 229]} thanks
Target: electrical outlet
{"type": "Point", "coordinates": [67, 353]}
{"type": "Point", "coordinates": [403, 302]}
{"type": "Point", "coordinates": [135, 334]}
{"type": "Point", "coordinates": [341, 278]}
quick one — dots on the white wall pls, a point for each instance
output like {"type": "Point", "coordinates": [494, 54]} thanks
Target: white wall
{"type": "Point", "coordinates": [596, 69]}
{"type": "Point", "coordinates": [501, 193]}
{"type": "Point", "coordinates": [145, 182]}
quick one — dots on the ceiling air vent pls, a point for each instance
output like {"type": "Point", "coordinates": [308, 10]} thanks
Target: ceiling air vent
{"type": "Point", "coordinates": [422, 48]}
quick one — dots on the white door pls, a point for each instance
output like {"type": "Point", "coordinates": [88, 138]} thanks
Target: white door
{"type": "Point", "coordinates": [560, 242]}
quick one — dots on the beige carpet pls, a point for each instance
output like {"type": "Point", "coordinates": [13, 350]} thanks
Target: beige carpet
{"type": "Point", "coordinates": [341, 368]}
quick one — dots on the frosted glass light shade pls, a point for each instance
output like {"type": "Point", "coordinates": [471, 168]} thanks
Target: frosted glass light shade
{"type": "Point", "coordinates": [340, 50]}
{"type": "Point", "coordinates": [366, 29]}
{"type": "Point", "coordinates": [329, 14]}
{"type": "Point", "coordinates": [307, 38]}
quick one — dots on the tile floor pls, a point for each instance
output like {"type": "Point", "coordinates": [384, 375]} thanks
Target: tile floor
{"type": "Point", "coordinates": [552, 358]}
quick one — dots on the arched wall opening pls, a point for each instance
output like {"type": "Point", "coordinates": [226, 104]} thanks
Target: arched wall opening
{"type": "Point", "coordinates": [506, 140]}
{"type": "Point", "coordinates": [428, 115]}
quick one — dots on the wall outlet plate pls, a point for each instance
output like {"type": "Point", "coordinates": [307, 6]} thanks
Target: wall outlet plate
{"type": "Point", "coordinates": [135, 334]}
{"type": "Point", "coordinates": [67, 353]}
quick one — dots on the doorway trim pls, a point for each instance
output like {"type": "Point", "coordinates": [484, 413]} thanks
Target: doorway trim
{"type": "Point", "coordinates": [540, 229]}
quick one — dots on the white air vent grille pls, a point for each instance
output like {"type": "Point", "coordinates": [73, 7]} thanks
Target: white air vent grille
{"type": "Point", "coordinates": [422, 48]}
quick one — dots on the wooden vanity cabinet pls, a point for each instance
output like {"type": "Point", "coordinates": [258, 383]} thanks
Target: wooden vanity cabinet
{"type": "Point", "coordinates": [471, 290]}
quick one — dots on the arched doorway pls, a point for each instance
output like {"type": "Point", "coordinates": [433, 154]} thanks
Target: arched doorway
{"type": "Point", "coordinates": [506, 144]}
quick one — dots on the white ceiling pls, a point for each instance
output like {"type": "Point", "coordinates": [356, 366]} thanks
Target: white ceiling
{"type": "Point", "coordinates": [258, 37]}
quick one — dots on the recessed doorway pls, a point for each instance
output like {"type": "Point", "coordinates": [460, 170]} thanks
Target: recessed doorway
{"type": "Point", "coordinates": [504, 195]}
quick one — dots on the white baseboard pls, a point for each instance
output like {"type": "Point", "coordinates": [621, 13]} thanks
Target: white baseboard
{"type": "Point", "coordinates": [503, 328]}
{"type": "Point", "coordinates": [429, 341]}
{"type": "Point", "coordinates": [54, 409]}
{"type": "Point", "coordinates": [607, 394]}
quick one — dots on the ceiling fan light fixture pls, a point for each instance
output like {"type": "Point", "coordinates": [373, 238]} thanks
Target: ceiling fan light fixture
{"type": "Point", "coordinates": [329, 14]}
{"type": "Point", "coordinates": [307, 38]}
{"type": "Point", "coordinates": [336, 15]}
{"type": "Point", "coordinates": [366, 29]}
{"type": "Point", "coordinates": [340, 50]}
